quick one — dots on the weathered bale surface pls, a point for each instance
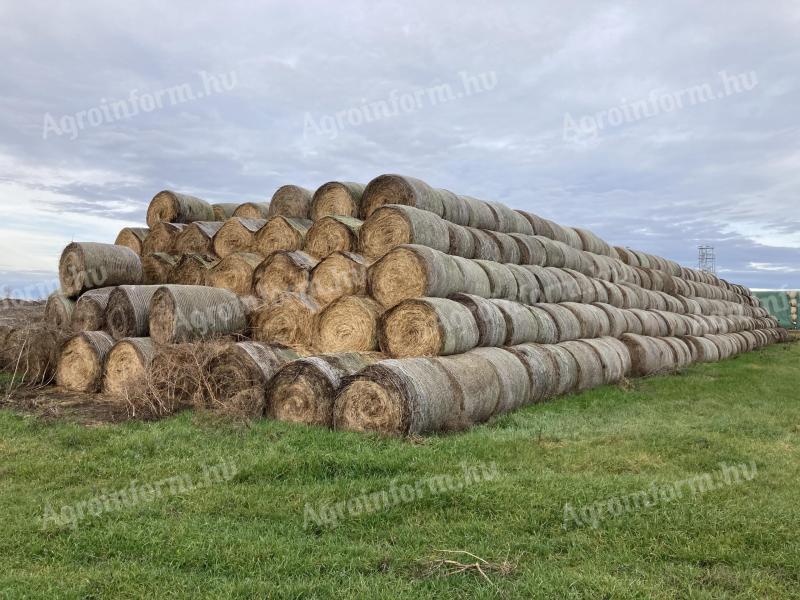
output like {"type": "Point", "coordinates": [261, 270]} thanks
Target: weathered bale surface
{"type": "Point", "coordinates": [337, 198]}
{"type": "Point", "coordinates": [185, 313]}
{"type": "Point", "coordinates": [509, 220]}
{"type": "Point", "coordinates": [90, 310]}
{"type": "Point", "coordinates": [393, 225]}
{"type": "Point", "coordinates": [132, 237]}
{"type": "Point", "coordinates": [520, 324]}
{"type": "Point", "coordinates": [616, 319]}
{"type": "Point", "coordinates": [291, 201]}
{"type": "Point", "coordinates": [549, 284]}
{"type": "Point", "coordinates": [462, 242]}
{"type": "Point", "coordinates": [476, 281]}
{"type": "Point", "coordinates": [125, 372]}
{"type": "Point", "coordinates": [613, 363]}
{"type": "Point", "coordinates": [567, 325]}
{"type": "Point", "coordinates": [235, 272]}
{"type": "Point", "coordinates": [479, 214]}
{"type": "Point", "coordinates": [32, 354]}
{"type": "Point", "coordinates": [546, 324]}
{"type": "Point", "coordinates": [512, 377]}
{"type": "Point", "coordinates": [652, 325]}
{"type": "Point", "coordinates": [485, 246]}
{"type": "Point", "coordinates": [172, 207]}
{"type": "Point", "coordinates": [528, 290]}
{"type": "Point", "coordinates": [566, 368]}
{"type": "Point", "coordinates": [252, 210]}
{"type": "Point", "coordinates": [287, 320]}
{"type": "Point", "coordinates": [349, 324]}
{"type": "Point", "coordinates": [586, 288]}
{"type": "Point", "coordinates": [531, 249]}
{"type": "Point", "coordinates": [192, 269]}
{"type": "Point", "coordinates": [681, 353]}
{"type": "Point", "coordinates": [427, 327]}
{"type": "Point", "coordinates": [197, 238]}
{"type": "Point", "coordinates": [283, 272]}
{"type": "Point", "coordinates": [236, 235]}
{"type": "Point", "coordinates": [476, 385]}
{"type": "Point", "coordinates": [224, 210]}
{"type": "Point", "coordinates": [592, 243]}
{"type": "Point", "coordinates": [81, 361]}
{"type": "Point", "coordinates": [239, 373]}
{"type": "Point", "coordinates": [304, 390]}
{"type": "Point", "coordinates": [570, 292]}
{"type": "Point", "coordinates": [489, 318]}
{"type": "Point", "coordinates": [590, 367]}
{"type": "Point", "coordinates": [58, 311]}
{"type": "Point", "coordinates": [542, 370]}
{"type": "Point", "coordinates": [157, 267]}
{"type": "Point", "coordinates": [649, 355]}
{"type": "Point", "coordinates": [502, 283]}
{"type": "Point", "coordinates": [332, 234]}
{"type": "Point", "coordinates": [281, 233]}
{"type": "Point", "coordinates": [128, 311]}
{"type": "Point", "coordinates": [592, 323]}
{"type": "Point", "coordinates": [412, 271]}
{"type": "Point", "coordinates": [340, 274]}
{"type": "Point", "coordinates": [85, 266]}
{"type": "Point", "coordinates": [397, 189]}
{"type": "Point", "coordinates": [509, 249]}
{"type": "Point", "coordinates": [162, 238]}
{"type": "Point", "coordinates": [398, 397]}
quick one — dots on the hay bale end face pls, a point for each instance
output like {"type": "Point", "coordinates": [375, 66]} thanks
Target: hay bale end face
{"type": "Point", "coordinates": [125, 371]}
{"type": "Point", "coordinates": [192, 269]}
{"type": "Point", "coordinates": [281, 233]}
{"type": "Point", "coordinates": [81, 361]}
{"type": "Point", "coordinates": [235, 273]}
{"type": "Point", "coordinates": [133, 238]}
{"type": "Point", "coordinates": [163, 237]}
{"type": "Point", "coordinates": [332, 234]}
{"type": "Point", "coordinates": [58, 311]}
{"type": "Point", "coordinates": [287, 320]}
{"type": "Point", "coordinates": [291, 201]}
{"type": "Point", "coordinates": [394, 225]}
{"type": "Point", "coordinates": [127, 311]}
{"type": "Point", "coordinates": [197, 238]}
{"type": "Point", "coordinates": [252, 210]}
{"type": "Point", "coordinates": [236, 235]}
{"type": "Point", "coordinates": [340, 274]}
{"type": "Point", "coordinates": [349, 324]}
{"type": "Point", "coordinates": [224, 210]}
{"type": "Point", "coordinates": [157, 267]}
{"type": "Point", "coordinates": [283, 271]}
{"type": "Point", "coordinates": [337, 198]}
{"type": "Point", "coordinates": [173, 207]}
{"type": "Point", "coordinates": [87, 265]}
{"type": "Point", "coordinates": [90, 310]}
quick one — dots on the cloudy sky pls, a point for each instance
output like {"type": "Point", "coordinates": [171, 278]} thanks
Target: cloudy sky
{"type": "Point", "coordinates": [659, 126]}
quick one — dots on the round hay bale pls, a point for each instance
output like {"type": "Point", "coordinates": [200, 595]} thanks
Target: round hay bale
{"type": "Point", "coordinates": [566, 369]}
{"type": "Point", "coordinates": [304, 390]}
{"type": "Point", "coordinates": [651, 324]}
{"type": "Point", "coordinates": [162, 238]}
{"type": "Point", "coordinates": [410, 396]}
{"type": "Point", "coordinates": [489, 318]}
{"type": "Point", "coordinates": [349, 324]}
{"type": "Point", "coordinates": [176, 379]}
{"type": "Point", "coordinates": [600, 291]}
{"type": "Point", "coordinates": [476, 281]}
{"type": "Point", "coordinates": [476, 385]}
{"type": "Point", "coordinates": [509, 220]}
{"type": "Point", "coordinates": [186, 313]}
{"type": "Point", "coordinates": [252, 210]}
{"type": "Point", "coordinates": [567, 325]}
{"type": "Point", "coordinates": [649, 356]}
{"type": "Point", "coordinates": [81, 361]}
{"type": "Point", "coordinates": [540, 226]}
{"type": "Point", "coordinates": [132, 237]}
{"type": "Point", "coordinates": [586, 289]}
{"type": "Point", "coordinates": [90, 310]}
{"type": "Point", "coordinates": [549, 284]}
{"type": "Point", "coordinates": [481, 216]}
{"type": "Point", "coordinates": [291, 201]}
{"type": "Point", "coordinates": [394, 225]}
{"type": "Point", "coordinates": [622, 351]}
{"type": "Point", "coordinates": [127, 311]}
{"type": "Point", "coordinates": [85, 266]}
{"type": "Point", "coordinates": [632, 323]}
{"type": "Point", "coordinates": [332, 234]}
{"type": "Point", "coordinates": [590, 366]}
{"type": "Point", "coordinates": [704, 349]}
{"type": "Point", "coordinates": [58, 311]}
{"type": "Point", "coordinates": [462, 242]}
{"type": "Point", "coordinates": [340, 274]}
{"type": "Point", "coordinates": [682, 356]}
{"type": "Point", "coordinates": [613, 294]}
{"type": "Point", "coordinates": [617, 324]}
{"type": "Point", "coordinates": [197, 238]}
{"type": "Point", "coordinates": [570, 292]}
{"type": "Point", "coordinates": [192, 269]}
{"type": "Point", "coordinates": [528, 290]}
{"type": "Point", "coordinates": [610, 358]}
{"type": "Point", "coordinates": [235, 272]}
{"type": "Point", "coordinates": [548, 330]}
{"type": "Point", "coordinates": [502, 283]}
{"type": "Point", "coordinates": [125, 371]}
{"type": "Point", "coordinates": [283, 271]}
{"type": "Point", "coordinates": [553, 253]}
{"type": "Point", "coordinates": [239, 373]}
{"type": "Point", "coordinates": [337, 198]}
{"type": "Point", "coordinates": [172, 207]}
{"type": "Point", "coordinates": [542, 370]}
{"type": "Point", "coordinates": [32, 354]}
{"type": "Point", "coordinates": [484, 246]}
{"type": "Point", "coordinates": [287, 320]}
{"type": "Point", "coordinates": [592, 322]}
{"type": "Point", "coordinates": [236, 235]}
{"type": "Point", "coordinates": [531, 249]}
{"type": "Point", "coordinates": [397, 189]}
{"type": "Point", "coordinates": [224, 210]}
{"type": "Point", "coordinates": [512, 377]}
{"type": "Point", "coordinates": [592, 243]}
{"type": "Point", "coordinates": [427, 327]}
{"type": "Point", "coordinates": [520, 324]}
{"type": "Point", "coordinates": [509, 249]}
{"type": "Point", "coordinates": [157, 268]}
{"type": "Point", "coordinates": [281, 233]}
{"type": "Point", "coordinates": [412, 271]}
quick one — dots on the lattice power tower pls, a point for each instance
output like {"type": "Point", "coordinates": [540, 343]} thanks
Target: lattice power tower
{"type": "Point", "coordinates": [706, 259]}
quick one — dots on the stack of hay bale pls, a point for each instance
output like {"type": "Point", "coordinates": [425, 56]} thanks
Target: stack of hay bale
{"type": "Point", "coordinates": [391, 307]}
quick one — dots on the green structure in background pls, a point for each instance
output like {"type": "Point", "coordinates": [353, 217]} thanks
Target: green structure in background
{"type": "Point", "coordinates": [781, 304]}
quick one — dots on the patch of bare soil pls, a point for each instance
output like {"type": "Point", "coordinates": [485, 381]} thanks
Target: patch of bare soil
{"type": "Point", "coordinates": [16, 313]}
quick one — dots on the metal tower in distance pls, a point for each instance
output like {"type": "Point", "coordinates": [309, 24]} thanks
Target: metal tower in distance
{"type": "Point", "coordinates": [706, 259]}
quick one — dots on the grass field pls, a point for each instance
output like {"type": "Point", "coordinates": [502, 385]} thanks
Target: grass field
{"type": "Point", "coordinates": [248, 530]}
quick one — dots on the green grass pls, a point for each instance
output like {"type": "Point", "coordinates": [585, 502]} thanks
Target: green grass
{"type": "Point", "coordinates": [246, 537]}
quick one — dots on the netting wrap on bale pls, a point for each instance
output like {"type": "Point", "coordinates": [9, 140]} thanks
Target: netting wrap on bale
{"type": "Point", "coordinates": [87, 265]}
{"type": "Point", "coordinates": [172, 207]}
{"type": "Point", "coordinates": [337, 198]}
{"type": "Point", "coordinates": [58, 311]}
{"type": "Point", "coordinates": [127, 311]}
{"type": "Point", "coordinates": [81, 361]}
{"type": "Point", "coordinates": [125, 371]}
{"type": "Point", "coordinates": [291, 201]}
{"type": "Point", "coordinates": [133, 238]}
{"type": "Point", "coordinates": [185, 313]}
{"type": "Point", "coordinates": [90, 310]}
